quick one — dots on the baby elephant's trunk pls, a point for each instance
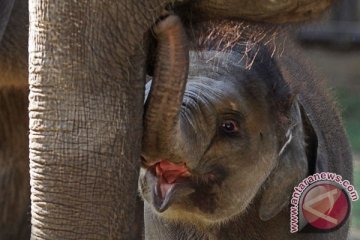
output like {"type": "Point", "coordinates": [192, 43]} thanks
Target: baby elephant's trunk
{"type": "Point", "coordinates": [162, 124]}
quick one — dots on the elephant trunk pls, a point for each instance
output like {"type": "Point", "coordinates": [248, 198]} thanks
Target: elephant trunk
{"type": "Point", "coordinates": [163, 104]}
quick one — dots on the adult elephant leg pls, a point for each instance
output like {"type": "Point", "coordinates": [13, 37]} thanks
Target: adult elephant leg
{"type": "Point", "coordinates": [86, 99]}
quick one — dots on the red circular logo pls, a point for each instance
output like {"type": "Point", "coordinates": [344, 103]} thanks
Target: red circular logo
{"type": "Point", "coordinates": [325, 206]}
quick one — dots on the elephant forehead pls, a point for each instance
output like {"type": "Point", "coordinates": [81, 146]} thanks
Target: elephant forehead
{"type": "Point", "coordinates": [213, 96]}
{"type": "Point", "coordinates": [216, 64]}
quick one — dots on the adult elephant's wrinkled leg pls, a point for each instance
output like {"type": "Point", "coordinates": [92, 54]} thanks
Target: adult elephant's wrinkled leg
{"type": "Point", "coordinates": [86, 99]}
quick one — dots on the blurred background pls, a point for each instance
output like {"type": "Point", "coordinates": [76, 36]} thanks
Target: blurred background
{"type": "Point", "coordinates": [333, 46]}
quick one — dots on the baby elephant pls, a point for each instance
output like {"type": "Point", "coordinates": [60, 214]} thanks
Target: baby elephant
{"type": "Point", "coordinates": [223, 152]}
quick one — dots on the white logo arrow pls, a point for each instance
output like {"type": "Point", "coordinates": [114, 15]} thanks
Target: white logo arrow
{"type": "Point", "coordinates": [330, 195]}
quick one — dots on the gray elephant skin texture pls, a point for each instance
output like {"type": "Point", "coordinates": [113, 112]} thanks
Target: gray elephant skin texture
{"type": "Point", "coordinates": [225, 168]}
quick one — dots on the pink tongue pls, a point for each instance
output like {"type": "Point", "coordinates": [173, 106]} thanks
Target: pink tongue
{"type": "Point", "coordinates": [167, 174]}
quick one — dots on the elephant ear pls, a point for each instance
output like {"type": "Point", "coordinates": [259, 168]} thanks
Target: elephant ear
{"type": "Point", "coordinates": [291, 169]}
{"type": "Point", "coordinates": [300, 152]}
{"type": "Point", "coordinates": [292, 163]}
{"type": "Point", "coordinates": [296, 70]}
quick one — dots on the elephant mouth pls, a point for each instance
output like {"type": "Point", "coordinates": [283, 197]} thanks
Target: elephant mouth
{"type": "Point", "coordinates": [169, 182]}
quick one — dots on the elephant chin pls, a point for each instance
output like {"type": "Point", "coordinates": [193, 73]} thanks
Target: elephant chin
{"type": "Point", "coordinates": [169, 181]}
{"type": "Point", "coordinates": [165, 185]}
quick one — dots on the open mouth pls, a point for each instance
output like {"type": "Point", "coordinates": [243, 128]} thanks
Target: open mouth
{"type": "Point", "coordinates": [169, 181]}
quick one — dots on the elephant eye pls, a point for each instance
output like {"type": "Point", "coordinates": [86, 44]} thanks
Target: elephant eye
{"type": "Point", "coordinates": [229, 126]}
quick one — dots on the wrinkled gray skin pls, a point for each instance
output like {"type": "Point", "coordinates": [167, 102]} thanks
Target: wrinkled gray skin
{"type": "Point", "coordinates": [86, 76]}
{"type": "Point", "coordinates": [231, 129]}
